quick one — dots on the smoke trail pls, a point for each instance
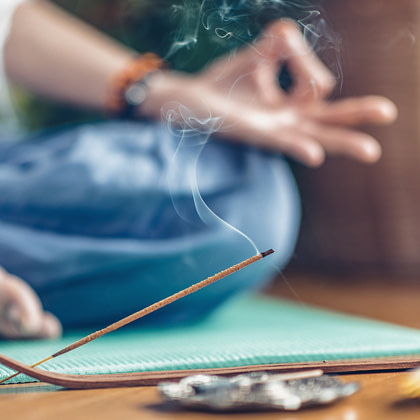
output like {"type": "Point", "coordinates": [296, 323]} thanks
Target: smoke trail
{"type": "Point", "coordinates": [208, 28]}
{"type": "Point", "coordinates": [194, 133]}
{"type": "Point", "coordinates": [323, 41]}
{"type": "Point", "coordinates": [204, 30]}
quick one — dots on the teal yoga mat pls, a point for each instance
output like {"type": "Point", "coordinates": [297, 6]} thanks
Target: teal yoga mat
{"type": "Point", "coordinates": [251, 330]}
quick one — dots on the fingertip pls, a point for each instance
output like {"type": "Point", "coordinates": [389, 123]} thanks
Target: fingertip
{"type": "Point", "coordinates": [284, 26]}
{"type": "Point", "coordinates": [381, 109]}
{"type": "Point", "coordinates": [316, 162]}
{"type": "Point", "coordinates": [281, 38]}
{"type": "Point", "coordinates": [389, 111]}
{"type": "Point", "coordinates": [372, 152]}
{"type": "Point", "coordinates": [315, 156]}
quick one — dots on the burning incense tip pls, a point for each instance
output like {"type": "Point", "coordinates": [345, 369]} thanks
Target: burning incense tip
{"type": "Point", "coordinates": [264, 254]}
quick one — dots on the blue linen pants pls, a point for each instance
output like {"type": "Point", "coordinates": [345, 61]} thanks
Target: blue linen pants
{"type": "Point", "coordinates": [106, 218]}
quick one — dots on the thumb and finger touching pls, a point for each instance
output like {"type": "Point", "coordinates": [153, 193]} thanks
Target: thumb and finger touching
{"type": "Point", "coordinates": [280, 44]}
{"type": "Point", "coordinates": [283, 43]}
{"type": "Point", "coordinates": [329, 122]}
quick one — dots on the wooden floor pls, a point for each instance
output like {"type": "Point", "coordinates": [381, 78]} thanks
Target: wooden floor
{"type": "Point", "coordinates": [395, 299]}
{"type": "Point", "coordinates": [380, 396]}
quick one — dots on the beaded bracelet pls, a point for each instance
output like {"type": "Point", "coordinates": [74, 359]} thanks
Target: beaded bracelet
{"type": "Point", "coordinates": [128, 88]}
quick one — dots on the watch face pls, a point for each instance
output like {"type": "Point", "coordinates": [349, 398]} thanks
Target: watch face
{"type": "Point", "coordinates": [136, 93]}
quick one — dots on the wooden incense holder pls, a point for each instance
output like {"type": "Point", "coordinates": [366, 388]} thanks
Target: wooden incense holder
{"type": "Point", "coordinates": [290, 371]}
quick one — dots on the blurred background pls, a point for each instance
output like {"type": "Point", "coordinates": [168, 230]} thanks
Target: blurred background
{"type": "Point", "coordinates": [366, 219]}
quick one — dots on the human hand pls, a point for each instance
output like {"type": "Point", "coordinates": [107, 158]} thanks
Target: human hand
{"type": "Point", "coordinates": [239, 97]}
{"type": "Point", "coordinates": [21, 313]}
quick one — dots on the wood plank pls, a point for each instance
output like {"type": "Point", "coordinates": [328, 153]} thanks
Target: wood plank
{"type": "Point", "coordinates": [379, 398]}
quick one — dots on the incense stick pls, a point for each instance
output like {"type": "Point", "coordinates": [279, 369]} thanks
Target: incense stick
{"type": "Point", "coordinates": [149, 309]}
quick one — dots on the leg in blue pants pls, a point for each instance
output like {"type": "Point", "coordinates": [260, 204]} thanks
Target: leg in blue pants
{"type": "Point", "coordinates": [105, 219]}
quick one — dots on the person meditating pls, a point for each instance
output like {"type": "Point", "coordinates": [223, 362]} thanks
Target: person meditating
{"type": "Point", "coordinates": [187, 175]}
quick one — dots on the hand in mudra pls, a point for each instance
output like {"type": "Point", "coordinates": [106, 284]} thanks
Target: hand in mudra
{"type": "Point", "coordinates": [240, 98]}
